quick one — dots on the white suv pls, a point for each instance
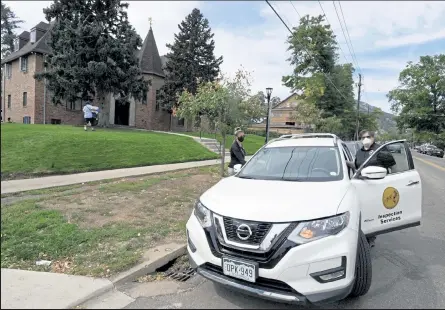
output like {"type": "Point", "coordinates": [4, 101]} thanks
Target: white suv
{"type": "Point", "coordinates": [292, 224]}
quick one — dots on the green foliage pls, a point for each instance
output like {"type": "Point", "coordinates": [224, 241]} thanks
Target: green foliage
{"type": "Point", "coordinates": [191, 59]}
{"type": "Point", "coordinates": [420, 97]}
{"type": "Point", "coordinates": [9, 23]}
{"type": "Point", "coordinates": [325, 87]}
{"type": "Point", "coordinates": [93, 51]}
{"type": "Point", "coordinates": [227, 103]}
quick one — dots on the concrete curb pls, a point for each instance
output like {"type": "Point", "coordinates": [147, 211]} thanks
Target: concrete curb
{"type": "Point", "coordinates": [160, 256]}
{"type": "Point", "coordinates": [149, 266]}
{"type": "Point", "coordinates": [92, 295]}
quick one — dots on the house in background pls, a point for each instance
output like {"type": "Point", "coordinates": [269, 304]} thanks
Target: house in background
{"type": "Point", "coordinates": [26, 100]}
{"type": "Point", "coordinates": [282, 118]}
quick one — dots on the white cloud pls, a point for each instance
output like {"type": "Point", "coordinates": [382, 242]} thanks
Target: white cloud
{"type": "Point", "coordinates": [416, 38]}
{"type": "Point", "coordinates": [261, 48]}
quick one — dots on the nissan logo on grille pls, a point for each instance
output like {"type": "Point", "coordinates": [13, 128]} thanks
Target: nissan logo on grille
{"type": "Point", "coordinates": [243, 232]}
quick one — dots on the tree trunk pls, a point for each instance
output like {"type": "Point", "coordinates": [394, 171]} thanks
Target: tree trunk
{"type": "Point", "coordinates": [223, 153]}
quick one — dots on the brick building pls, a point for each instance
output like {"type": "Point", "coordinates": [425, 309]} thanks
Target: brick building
{"type": "Point", "coordinates": [26, 100]}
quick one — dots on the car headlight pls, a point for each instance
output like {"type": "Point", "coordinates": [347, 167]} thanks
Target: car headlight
{"type": "Point", "coordinates": [203, 215]}
{"type": "Point", "coordinates": [313, 230]}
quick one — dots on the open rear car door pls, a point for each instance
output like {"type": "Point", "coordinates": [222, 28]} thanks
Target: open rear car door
{"type": "Point", "coordinates": [390, 198]}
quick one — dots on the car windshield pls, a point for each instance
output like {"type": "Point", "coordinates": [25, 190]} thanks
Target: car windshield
{"type": "Point", "coordinates": [307, 164]}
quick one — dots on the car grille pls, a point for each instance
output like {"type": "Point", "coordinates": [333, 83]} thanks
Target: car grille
{"type": "Point", "coordinates": [266, 260]}
{"type": "Point", "coordinates": [259, 230]}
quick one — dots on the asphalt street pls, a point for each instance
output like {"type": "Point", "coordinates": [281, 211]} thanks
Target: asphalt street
{"type": "Point", "coordinates": [408, 265]}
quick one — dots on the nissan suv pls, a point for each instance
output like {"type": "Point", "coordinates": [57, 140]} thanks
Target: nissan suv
{"type": "Point", "coordinates": [292, 224]}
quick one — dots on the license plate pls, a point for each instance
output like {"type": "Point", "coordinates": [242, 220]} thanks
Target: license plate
{"type": "Point", "coordinates": [239, 269]}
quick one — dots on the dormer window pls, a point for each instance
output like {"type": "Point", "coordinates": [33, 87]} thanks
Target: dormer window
{"type": "Point", "coordinates": [16, 44]}
{"type": "Point", "coordinates": [33, 35]}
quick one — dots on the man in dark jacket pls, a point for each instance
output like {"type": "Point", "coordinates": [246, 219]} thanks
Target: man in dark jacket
{"type": "Point", "coordinates": [237, 152]}
{"type": "Point", "coordinates": [383, 159]}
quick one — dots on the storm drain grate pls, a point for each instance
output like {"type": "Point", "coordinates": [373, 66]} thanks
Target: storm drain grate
{"type": "Point", "coordinates": [180, 275]}
{"type": "Point", "coordinates": [178, 270]}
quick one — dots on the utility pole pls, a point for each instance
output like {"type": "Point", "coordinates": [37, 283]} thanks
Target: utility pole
{"type": "Point", "coordinates": [358, 106]}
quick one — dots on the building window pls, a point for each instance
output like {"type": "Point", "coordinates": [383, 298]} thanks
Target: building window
{"type": "Point", "coordinates": [24, 64]}
{"type": "Point", "coordinates": [8, 71]}
{"type": "Point", "coordinates": [55, 121]}
{"type": "Point", "coordinates": [16, 44]}
{"type": "Point", "coordinates": [33, 35]}
{"type": "Point", "coordinates": [73, 105]}
{"type": "Point", "coordinates": [144, 98]}
{"type": "Point", "coordinates": [9, 101]}
{"type": "Point", "coordinates": [25, 99]}
{"type": "Point", "coordinates": [290, 123]}
{"type": "Point", "coordinates": [157, 101]}
{"type": "Point", "coordinates": [181, 122]}
{"type": "Point", "coordinates": [27, 120]}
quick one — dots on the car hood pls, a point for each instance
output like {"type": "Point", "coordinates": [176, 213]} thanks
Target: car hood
{"type": "Point", "coordinates": [274, 201]}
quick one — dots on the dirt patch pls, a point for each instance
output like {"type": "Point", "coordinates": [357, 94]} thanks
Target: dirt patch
{"type": "Point", "coordinates": [164, 200]}
{"type": "Point", "coordinates": [101, 229]}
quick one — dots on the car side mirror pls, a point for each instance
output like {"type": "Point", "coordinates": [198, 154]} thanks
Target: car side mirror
{"type": "Point", "coordinates": [237, 168]}
{"type": "Point", "coordinates": [374, 173]}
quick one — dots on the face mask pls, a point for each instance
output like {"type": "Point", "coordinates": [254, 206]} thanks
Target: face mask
{"type": "Point", "coordinates": [367, 142]}
{"type": "Point", "coordinates": [241, 139]}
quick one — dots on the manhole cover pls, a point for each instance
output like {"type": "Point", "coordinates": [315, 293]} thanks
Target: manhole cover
{"type": "Point", "coordinates": [178, 270]}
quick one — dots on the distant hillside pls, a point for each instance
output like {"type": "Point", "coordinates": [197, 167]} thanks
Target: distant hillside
{"type": "Point", "coordinates": [386, 121]}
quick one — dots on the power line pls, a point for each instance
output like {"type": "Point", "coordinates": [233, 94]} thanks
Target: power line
{"type": "Point", "coordinates": [309, 53]}
{"type": "Point", "coordinates": [347, 31]}
{"type": "Point", "coordinates": [344, 54]}
{"type": "Point", "coordinates": [344, 34]}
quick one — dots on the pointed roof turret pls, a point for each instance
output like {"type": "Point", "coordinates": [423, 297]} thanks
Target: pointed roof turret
{"type": "Point", "coordinates": [149, 59]}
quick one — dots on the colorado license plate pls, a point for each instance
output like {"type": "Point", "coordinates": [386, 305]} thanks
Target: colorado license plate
{"type": "Point", "coordinates": [238, 269]}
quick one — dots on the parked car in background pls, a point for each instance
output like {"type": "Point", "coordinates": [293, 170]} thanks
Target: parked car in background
{"type": "Point", "coordinates": [432, 150]}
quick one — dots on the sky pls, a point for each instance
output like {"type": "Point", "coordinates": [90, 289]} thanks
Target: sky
{"type": "Point", "coordinates": [384, 35]}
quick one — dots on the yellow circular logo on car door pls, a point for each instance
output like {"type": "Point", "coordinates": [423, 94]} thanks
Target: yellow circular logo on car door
{"type": "Point", "coordinates": [390, 198]}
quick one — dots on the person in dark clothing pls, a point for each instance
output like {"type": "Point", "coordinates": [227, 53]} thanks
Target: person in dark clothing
{"type": "Point", "coordinates": [383, 159]}
{"type": "Point", "coordinates": [237, 152]}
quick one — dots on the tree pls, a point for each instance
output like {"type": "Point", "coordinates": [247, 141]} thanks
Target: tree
{"type": "Point", "coordinates": [93, 51]}
{"type": "Point", "coordinates": [274, 101]}
{"type": "Point", "coordinates": [227, 103]}
{"type": "Point", "coordinates": [9, 23]}
{"type": "Point", "coordinates": [419, 100]}
{"type": "Point", "coordinates": [191, 59]}
{"type": "Point", "coordinates": [321, 82]}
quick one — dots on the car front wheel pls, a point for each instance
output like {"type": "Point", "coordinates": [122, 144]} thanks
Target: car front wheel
{"type": "Point", "coordinates": [363, 268]}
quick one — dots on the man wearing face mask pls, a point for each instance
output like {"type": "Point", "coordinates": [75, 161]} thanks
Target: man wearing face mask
{"type": "Point", "coordinates": [237, 152]}
{"type": "Point", "coordinates": [383, 159]}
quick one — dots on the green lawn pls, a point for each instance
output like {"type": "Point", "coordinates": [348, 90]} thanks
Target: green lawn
{"type": "Point", "coordinates": [31, 150]}
{"type": "Point", "coordinates": [252, 143]}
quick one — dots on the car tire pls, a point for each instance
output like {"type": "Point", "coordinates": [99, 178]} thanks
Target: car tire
{"type": "Point", "coordinates": [363, 268]}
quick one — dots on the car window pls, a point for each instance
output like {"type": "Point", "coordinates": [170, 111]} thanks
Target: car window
{"type": "Point", "coordinates": [309, 164]}
{"type": "Point", "coordinates": [393, 156]}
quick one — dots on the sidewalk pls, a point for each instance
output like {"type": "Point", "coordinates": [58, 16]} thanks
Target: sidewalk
{"type": "Point", "coordinates": [43, 290]}
{"type": "Point", "coordinates": [15, 186]}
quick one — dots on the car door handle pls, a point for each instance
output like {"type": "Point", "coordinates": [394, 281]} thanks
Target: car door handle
{"type": "Point", "coordinates": [411, 183]}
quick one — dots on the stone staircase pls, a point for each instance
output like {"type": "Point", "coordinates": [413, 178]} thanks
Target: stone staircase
{"type": "Point", "coordinates": [211, 144]}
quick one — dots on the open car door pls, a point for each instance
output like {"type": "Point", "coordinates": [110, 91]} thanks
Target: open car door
{"type": "Point", "coordinates": [390, 198]}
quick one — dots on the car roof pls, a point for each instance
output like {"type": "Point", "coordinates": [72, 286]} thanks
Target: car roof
{"type": "Point", "coordinates": [306, 141]}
